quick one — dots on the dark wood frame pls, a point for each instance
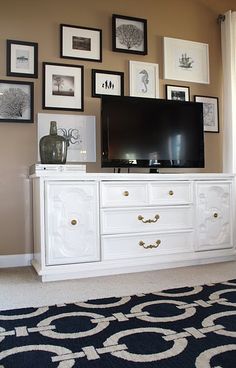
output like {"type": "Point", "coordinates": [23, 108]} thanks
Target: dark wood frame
{"type": "Point", "coordinates": [132, 19]}
{"type": "Point", "coordinates": [217, 124]}
{"type": "Point", "coordinates": [57, 107]}
{"type": "Point", "coordinates": [80, 53]}
{"type": "Point", "coordinates": [9, 45]}
{"type": "Point", "coordinates": [94, 74]}
{"type": "Point", "coordinates": [31, 92]}
{"type": "Point", "coordinates": [172, 85]}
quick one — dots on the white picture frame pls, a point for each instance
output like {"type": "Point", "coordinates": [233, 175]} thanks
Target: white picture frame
{"type": "Point", "coordinates": [186, 60]}
{"type": "Point", "coordinates": [82, 128]}
{"type": "Point", "coordinates": [143, 79]}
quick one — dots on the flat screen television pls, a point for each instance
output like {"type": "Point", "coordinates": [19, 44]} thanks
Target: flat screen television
{"type": "Point", "coordinates": [150, 132]}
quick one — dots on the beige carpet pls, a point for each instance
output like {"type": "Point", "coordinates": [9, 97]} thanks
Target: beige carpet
{"type": "Point", "coordinates": [21, 287]}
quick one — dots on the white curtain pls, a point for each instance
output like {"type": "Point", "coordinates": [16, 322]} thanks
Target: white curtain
{"type": "Point", "coordinates": [228, 43]}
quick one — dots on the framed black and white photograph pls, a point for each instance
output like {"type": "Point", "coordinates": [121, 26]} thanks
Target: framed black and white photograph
{"type": "Point", "coordinates": [63, 86]}
{"type": "Point", "coordinates": [129, 34]}
{"type": "Point", "coordinates": [210, 112]}
{"type": "Point", "coordinates": [144, 79]}
{"type": "Point", "coordinates": [22, 59]}
{"type": "Point", "coordinates": [186, 60]}
{"type": "Point", "coordinates": [107, 82]}
{"type": "Point", "coordinates": [16, 101]}
{"type": "Point", "coordinates": [179, 93]}
{"type": "Point", "coordinates": [81, 43]}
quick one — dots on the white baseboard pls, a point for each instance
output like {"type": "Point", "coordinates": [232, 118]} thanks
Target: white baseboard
{"type": "Point", "coordinates": [16, 260]}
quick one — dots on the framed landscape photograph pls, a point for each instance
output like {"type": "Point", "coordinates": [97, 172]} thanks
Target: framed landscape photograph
{"type": "Point", "coordinates": [210, 112]}
{"type": "Point", "coordinates": [16, 101]}
{"type": "Point", "coordinates": [81, 43]}
{"type": "Point", "coordinates": [22, 59]}
{"type": "Point", "coordinates": [63, 86]}
{"type": "Point", "coordinates": [129, 34]}
{"type": "Point", "coordinates": [107, 82]}
{"type": "Point", "coordinates": [144, 79]}
{"type": "Point", "coordinates": [179, 93]}
{"type": "Point", "coordinates": [186, 60]}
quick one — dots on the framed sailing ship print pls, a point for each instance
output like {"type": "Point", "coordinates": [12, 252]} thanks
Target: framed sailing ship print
{"type": "Point", "coordinates": [186, 60]}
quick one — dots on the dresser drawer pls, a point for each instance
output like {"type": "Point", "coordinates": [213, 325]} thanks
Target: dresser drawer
{"type": "Point", "coordinates": [146, 245]}
{"type": "Point", "coordinates": [122, 194]}
{"type": "Point", "coordinates": [150, 219]}
{"type": "Point", "coordinates": [170, 192]}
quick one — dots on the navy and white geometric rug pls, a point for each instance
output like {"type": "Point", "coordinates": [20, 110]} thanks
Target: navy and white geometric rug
{"type": "Point", "coordinates": [179, 328]}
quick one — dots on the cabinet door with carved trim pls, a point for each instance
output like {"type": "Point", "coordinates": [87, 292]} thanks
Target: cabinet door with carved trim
{"type": "Point", "coordinates": [214, 215]}
{"type": "Point", "coordinates": [71, 222]}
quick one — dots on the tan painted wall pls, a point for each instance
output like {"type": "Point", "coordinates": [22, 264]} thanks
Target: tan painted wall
{"type": "Point", "coordinates": [38, 21]}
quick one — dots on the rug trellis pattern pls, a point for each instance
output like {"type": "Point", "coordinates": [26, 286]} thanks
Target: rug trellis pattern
{"type": "Point", "coordinates": [179, 328]}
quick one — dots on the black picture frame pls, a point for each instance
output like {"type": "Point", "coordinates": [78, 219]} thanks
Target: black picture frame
{"type": "Point", "coordinates": [22, 59]}
{"type": "Point", "coordinates": [178, 93]}
{"type": "Point", "coordinates": [137, 43]}
{"type": "Point", "coordinates": [63, 87]}
{"type": "Point", "coordinates": [102, 86]}
{"type": "Point", "coordinates": [80, 43]}
{"type": "Point", "coordinates": [210, 112]}
{"type": "Point", "coordinates": [16, 101]}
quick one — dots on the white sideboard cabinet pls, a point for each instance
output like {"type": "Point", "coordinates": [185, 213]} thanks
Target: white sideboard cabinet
{"type": "Point", "coordinates": [89, 224]}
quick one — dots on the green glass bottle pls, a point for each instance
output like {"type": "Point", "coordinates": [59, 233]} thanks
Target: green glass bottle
{"type": "Point", "coordinates": [53, 147]}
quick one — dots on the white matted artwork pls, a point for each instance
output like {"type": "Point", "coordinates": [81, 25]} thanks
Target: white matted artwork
{"type": "Point", "coordinates": [186, 60]}
{"type": "Point", "coordinates": [144, 79]}
{"type": "Point", "coordinates": [79, 130]}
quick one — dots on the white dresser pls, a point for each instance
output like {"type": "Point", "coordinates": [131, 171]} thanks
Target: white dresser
{"type": "Point", "coordinates": [99, 224]}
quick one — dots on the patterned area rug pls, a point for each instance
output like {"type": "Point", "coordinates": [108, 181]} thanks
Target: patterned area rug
{"type": "Point", "coordinates": [179, 328]}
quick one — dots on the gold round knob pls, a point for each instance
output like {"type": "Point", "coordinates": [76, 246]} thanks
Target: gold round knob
{"type": "Point", "coordinates": [171, 192]}
{"type": "Point", "coordinates": [215, 215]}
{"type": "Point", "coordinates": [126, 193]}
{"type": "Point", "coordinates": [73, 222]}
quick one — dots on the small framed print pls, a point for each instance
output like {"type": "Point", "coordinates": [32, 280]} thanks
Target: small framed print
{"type": "Point", "coordinates": [81, 43]}
{"type": "Point", "coordinates": [144, 79]}
{"type": "Point", "coordinates": [16, 101]}
{"type": "Point", "coordinates": [106, 82]}
{"type": "Point", "coordinates": [178, 93]}
{"type": "Point", "coordinates": [129, 34]}
{"type": "Point", "coordinates": [63, 87]}
{"type": "Point", "coordinates": [22, 59]}
{"type": "Point", "coordinates": [210, 112]}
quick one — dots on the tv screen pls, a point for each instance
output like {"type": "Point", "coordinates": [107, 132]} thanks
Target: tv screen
{"type": "Point", "coordinates": [155, 133]}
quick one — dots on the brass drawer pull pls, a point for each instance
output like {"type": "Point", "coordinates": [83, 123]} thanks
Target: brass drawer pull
{"type": "Point", "coordinates": [73, 222]}
{"type": "Point", "coordinates": [215, 215]}
{"type": "Point", "coordinates": [126, 193]}
{"type": "Point", "coordinates": [141, 218]}
{"type": "Point", "coordinates": [171, 192]}
{"type": "Point", "coordinates": [150, 246]}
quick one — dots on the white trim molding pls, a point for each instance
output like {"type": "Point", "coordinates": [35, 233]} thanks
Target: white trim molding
{"type": "Point", "coordinates": [16, 260]}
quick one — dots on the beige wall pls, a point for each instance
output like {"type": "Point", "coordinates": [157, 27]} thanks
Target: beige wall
{"type": "Point", "coordinates": [38, 21]}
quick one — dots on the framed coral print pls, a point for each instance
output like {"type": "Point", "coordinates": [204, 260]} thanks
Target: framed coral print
{"type": "Point", "coordinates": [144, 79]}
{"type": "Point", "coordinates": [16, 101]}
{"type": "Point", "coordinates": [179, 93]}
{"type": "Point", "coordinates": [210, 113]}
{"type": "Point", "coordinates": [22, 59]}
{"type": "Point", "coordinates": [107, 82]}
{"type": "Point", "coordinates": [129, 34]}
{"type": "Point", "coordinates": [63, 86]}
{"type": "Point", "coordinates": [81, 43]}
{"type": "Point", "coordinates": [186, 60]}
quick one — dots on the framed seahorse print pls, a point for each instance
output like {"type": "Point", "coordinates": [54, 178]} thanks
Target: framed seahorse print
{"type": "Point", "coordinates": [144, 79]}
